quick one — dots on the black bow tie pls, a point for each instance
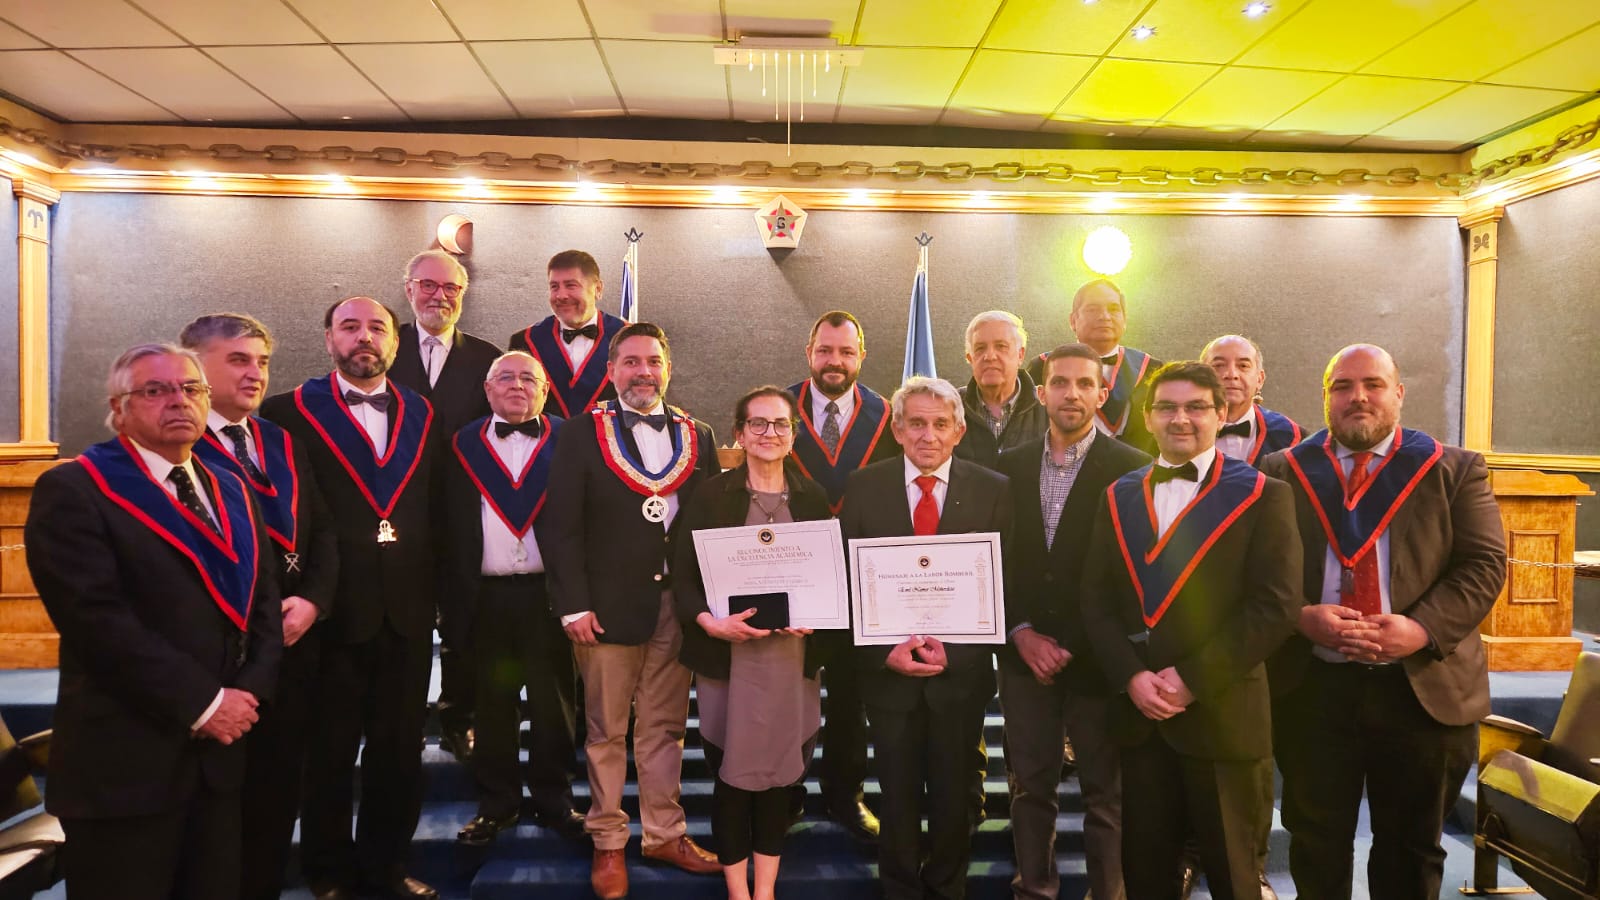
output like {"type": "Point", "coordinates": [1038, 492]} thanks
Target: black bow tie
{"type": "Point", "coordinates": [590, 331]}
{"type": "Point", "coordinates": [1242, 429]}
{"type": "Point", "coordinates": [1109, 360]}
{"type": "Point", "coordinates": [379, 402]}
{"type": "Point", "coordinates": [1162, 474]}
{"type": "Point", "coordinates": [531, 428]}
{"type": "Point", "coordinates": [657, 421]}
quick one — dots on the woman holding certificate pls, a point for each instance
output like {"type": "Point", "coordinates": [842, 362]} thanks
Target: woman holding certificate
{"type": "Point", "coordinates": [758, 688]}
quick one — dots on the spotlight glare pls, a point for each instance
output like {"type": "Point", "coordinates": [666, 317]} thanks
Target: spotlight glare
{"type": "Point", "coordinates": [1106, 251]}
{"type": "Point", "coordinates": [1144, 32]}
{"type": "Point", "coordinates": [1256, 9]}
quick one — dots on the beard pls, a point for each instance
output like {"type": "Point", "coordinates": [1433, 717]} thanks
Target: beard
{"type": "Point", "coordinates": [355, 366]}
{"type": "Point", "coordinates": [1361, 435]}
{"type": "Point", "coordinates": [819, 378]}
{"type": "Point", "coordinates": [641, 393]}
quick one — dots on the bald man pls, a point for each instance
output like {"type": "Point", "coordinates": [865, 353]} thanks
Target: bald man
{"type": "Point", "coordinates": [1249, 431]}
{"type": "Point", "coordinates": [1385, 682]}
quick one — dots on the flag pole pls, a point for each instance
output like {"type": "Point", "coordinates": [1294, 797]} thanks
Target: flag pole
{"type": "Point", "coordinates": [630, 276]}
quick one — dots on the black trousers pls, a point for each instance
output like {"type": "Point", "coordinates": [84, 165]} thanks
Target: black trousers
{"type": "Point", "coordinates": [275, 771]}
{"type": "Point", "coordinates": [844, 725]}
{"type": "Point", "coordinates": [376, 690]}
{"type": "Point", "coordinates": [518, 643]}
{"type": "Point", "coordinates": [1166, 797]}
{"type": "Point", "coordinates": [925, 762]}
{"type": "Point", "coordinates": [191, 853]}
{"type": "Point", "coordinates": [1348, 728]}
{"type": "Point", "coordinates": [458, 676]}
{"type": "Point", "coordinates": [744, 821]}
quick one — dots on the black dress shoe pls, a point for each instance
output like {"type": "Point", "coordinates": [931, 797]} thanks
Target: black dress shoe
{"type": "Point", "coordinates": [458, 742]}
{"type": "Point", "coordinates": [856, 819]}
{"type": "Point", "coordinates": [405, 888]}
{"type": "Point", "coordinates": [482, 830]}
{"type": "Point", "coordinates": [330, 891]}
{"type": "Point", "coordinates": [567, 822]}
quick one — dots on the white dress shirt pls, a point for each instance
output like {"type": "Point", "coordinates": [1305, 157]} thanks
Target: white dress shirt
{"type": "Point", "coordinates": [499, 542]}
{"type": "Point", "coordinates": [1232, 445]}
{"type": "Point", "coordinates": [216, 422]}
{"type": "Point", "coordinates": [373, 422]}
{"type": "Point", "coordinates": [435, 365]}
{"type": "Point", "coordinates": [940, 488]}
{"type": "Point", "coordinates": [578, 350]}
{"type": "Point", "coordinates": [1171, 497]}
{"type": "Point", "coordinates": [819, 407]}
{"type": "Point", "coordinates": [1332, 568]}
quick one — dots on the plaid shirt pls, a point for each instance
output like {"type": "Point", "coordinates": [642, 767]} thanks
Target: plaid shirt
{"type": "Point", "coordinates": [1055, 482]}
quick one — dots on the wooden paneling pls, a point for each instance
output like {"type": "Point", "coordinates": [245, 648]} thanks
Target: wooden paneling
{"type": "Point", "coordinates": [1530, 627]}
{"type": "Point", "coordinates": [27, 639]}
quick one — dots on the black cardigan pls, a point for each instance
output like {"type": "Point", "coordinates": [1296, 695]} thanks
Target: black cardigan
{"type": "Point", "coordinates": [724, 502]}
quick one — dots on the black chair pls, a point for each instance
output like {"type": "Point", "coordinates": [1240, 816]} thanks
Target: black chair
{"type": "Point", "coordinates": [31, 840]}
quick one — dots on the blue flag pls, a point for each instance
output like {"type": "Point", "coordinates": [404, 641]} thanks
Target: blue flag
{"type": "Point", "coordinates": [630, 279]}
{"type": "Point", "coordinates": [919, 324]}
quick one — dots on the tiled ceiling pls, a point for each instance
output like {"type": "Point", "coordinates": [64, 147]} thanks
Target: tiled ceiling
{"type": "Point", "coordinates": [1362, 74]}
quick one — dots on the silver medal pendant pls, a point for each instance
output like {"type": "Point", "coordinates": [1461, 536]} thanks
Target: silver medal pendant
{"type": "Point", "coordinates": [386, 533]}
{"type": "Point", "coordinates": [654, 508]}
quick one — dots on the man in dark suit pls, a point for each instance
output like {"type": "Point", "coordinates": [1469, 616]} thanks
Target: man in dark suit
{"type": "Point", "coordinates": [1191, 583]}
{"type": "Point", "coordinates": [235, 352]}
{"type": "Point", "coordinates": [844, 425]}
{"type": "Point", "coordinates": [1099, 318]}
{"type": "Point", "coordinates": [621, 474]}
{"type": "Point", "coordinates": [495, 483]}
{"type": "Point", "coordinates": [573, 341]}
{"type": "Point", "coordinates": [446, 365]}
{"type": "Point", "coordinates": [1051, 686]}
{"type": "Point", "coordinates": [157, 572]}
{"type": "Point", "coordinates": [373, 447]}
{"type": "Point", "coordinates": [1002, 404]}
{"type": "Point", "coordinates": [925, 698]}
{"type": "Point", "coordinates": [1384, 685]}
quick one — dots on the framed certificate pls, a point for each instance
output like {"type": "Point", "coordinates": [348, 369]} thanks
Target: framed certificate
{"type": "Point", "coordinates": [948, 586]}
{"type": "Point", "coordinates": [802, 559]}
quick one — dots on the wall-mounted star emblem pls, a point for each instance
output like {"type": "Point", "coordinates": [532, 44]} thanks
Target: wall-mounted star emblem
{"type": "Point", "coordinates": [780, 222]}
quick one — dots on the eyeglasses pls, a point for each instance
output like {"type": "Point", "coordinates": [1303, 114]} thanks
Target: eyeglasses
{"type": "Point", "coordinates": [1194, 409]}
{"type": "Point", "coordinates": [779, 427]}
{"type": "Point", "coordinates": [160, 391]}
{"type": "Point", "coordinates": [428, 285]}
{"type": "Point", "coordinates": [505, 379]}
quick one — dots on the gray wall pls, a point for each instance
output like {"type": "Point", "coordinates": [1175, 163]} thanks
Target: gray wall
{"type": "Point", "coordinates": [9, 413]}
{"type": "Point", "coordinates": [136, 267]}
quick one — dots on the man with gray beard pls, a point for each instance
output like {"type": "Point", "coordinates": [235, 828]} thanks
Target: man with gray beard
{"type": "Point", "coordinates": [621, 473]}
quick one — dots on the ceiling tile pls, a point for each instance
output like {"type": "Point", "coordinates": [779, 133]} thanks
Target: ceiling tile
{"type": "Point", "coordinates": [683, 20]}
{"type": "Point", "coordinates": [910, 23]}
{"type": "Point", "coordinates": [548, 79]}
{"type": "Point", "coordinates": [814, 93]}
{"type": "Point", "coordinates": [1005, 81]}
{"type": "Point", "coordinates": [1058, 26]}
{"type": "Point", "coordinates": [12, 39]}
{"type": "Point", "coordinates": [1485, 36]}
{"type": "Point", "coordinates": [895, 85]}
{"type": "Point", "coordinates": [314, 83]}
{"type": "Point", "coordinates": [1343, 35]}
{"type": "Point", "coordinates": [1209, 32]}
{"type": "Point", "coordinates": [1247, 98]}
{"type": "Point", "coordinates": [87, 23]}
{"type": "Point", "coordinates": [217, 22]}
{"type": "Point", "coordinates": [676, 80]}
{"type": "Point", "coordinates": [1475, 112]}
{"type": "Point", "coordinates": [1572, 65]}
{"type": "Point", "coordinates": [431, 81]}
{"type": "Point", "coordinates": [835, 18]}
{"type": "Point", "coordinates": [514, 20]}
{"type": "Point", "coordinates": [183, 80]}
{"type": "Point", "coordinates": [1359, 103]}
{"type": "Point", "coordinates": [1126, 90]}
{"type": "Point", "coordinates": [64, 87]}
{"type": "Point", "coordinates": [362, 22]}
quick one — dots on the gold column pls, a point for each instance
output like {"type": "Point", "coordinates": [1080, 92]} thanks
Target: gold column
{"type": "Point", "coordinates": [1483, 263]}
{"type": "Point", "coordinates": [34, 204]}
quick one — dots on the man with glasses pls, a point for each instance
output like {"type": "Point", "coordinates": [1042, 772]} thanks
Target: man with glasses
{"type": "Point", "coordinates": [572, 342]}
{"type": "Point", "coordinates": [1099, 318]}
{"type": "Point", "coordinates": [496, 476]}
{"type": "Point", "coordinates": [157, 571]}
{"type": "Point", "coordinates": [446, 365]}
{"type": "Point", "coordinates": [1192, 582]}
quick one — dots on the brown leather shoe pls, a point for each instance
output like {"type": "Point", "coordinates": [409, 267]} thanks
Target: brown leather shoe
{"type": "Point", "coordinates": [686, 855]}
{"type": "Point", "coordinates": [608, 876]}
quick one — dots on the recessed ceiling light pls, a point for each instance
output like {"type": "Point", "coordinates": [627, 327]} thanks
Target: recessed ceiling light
{"type": "Point", "coordinates": [1257, 8]}
{"type": "Point", "coordinates": [1088, 2]}
{"type": "Point", "coordinates": [1143, 32]}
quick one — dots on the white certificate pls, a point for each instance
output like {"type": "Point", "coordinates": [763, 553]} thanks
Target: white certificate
{"type": "Point", "coordinates": [947, 586]}
{"type": "Point", "coordinates": [803, 559]}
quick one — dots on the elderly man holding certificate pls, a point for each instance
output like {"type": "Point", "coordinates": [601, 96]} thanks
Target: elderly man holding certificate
{"type": "Point", "coordinates": [926, 694]}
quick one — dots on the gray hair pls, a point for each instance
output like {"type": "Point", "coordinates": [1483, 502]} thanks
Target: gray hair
{"type": "Point", "coordinates": [441, 256]}
{"type": "Point", "coordinates": [227, 326]}
{"type": "Point", "coordinates": [119, 380]}
{"type": "Point", "coordinates": [937, 388]}
{"type": "Point", "coordinates": [997, 315]}
{"type": "Point", "coordinates": [516, 354]}
{"type": "Point", "coordinates": [1205, 352]}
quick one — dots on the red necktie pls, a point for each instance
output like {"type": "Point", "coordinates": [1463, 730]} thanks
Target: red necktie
{"type": "Point", "coordinates": [1359, 590]}
{"type": "Point", "coordinates": [925, 519]}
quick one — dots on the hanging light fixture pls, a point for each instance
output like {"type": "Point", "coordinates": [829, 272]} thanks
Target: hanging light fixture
{"type": "Point", "coordinates": [788, 57]}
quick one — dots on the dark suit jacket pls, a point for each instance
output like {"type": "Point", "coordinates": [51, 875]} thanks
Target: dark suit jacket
{"type": "Point", "coordinates": [875, 505]}
{"type": "Point", "coordinates": [1135, 434]}
{"type": "Point", "coordinates": [144, 651]}
{"type": "Point", "coordinates": [1028, 421]}
{"type": "Point", "coordinates": [458, 398]}
{"type": "Point", "coordinates": [600, 553]}
{"type": "Point", "coordinates": [1447, 563]}
{"type": "Point", "coordinates": [1234, 611]}
{"type": "Point", "coordinates": [1042, 585]}
{"type": "Point", "coordinates": [377, 582]}
{"type": "Point", "coordinates": [723, 502]}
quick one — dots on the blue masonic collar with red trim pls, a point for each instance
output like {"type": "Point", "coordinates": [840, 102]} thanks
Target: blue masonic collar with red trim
{"type": "Point", "coordinates": [226, 561]}
{"type": "Point", "coordinates": [857, 440]}
{"type": "Point", "coordinates": [1159, 567]}
{"type": "Point", "coordinates": [1273, 432]}
{"type": "Point", "coordinates": [1125, 377]}
{"type": "Point", "coordinates": [279, 498]}
{"type": "Point", "coordinates": [516, 498]}
{"type": "Point", "coordinates": [575, 386]}
{"type": "Point", "coordinates": [382, 481]}
{"type": "Point", "coordinates": [1353, 528]}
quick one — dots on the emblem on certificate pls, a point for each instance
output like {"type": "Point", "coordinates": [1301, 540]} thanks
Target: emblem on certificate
{"type": "Point", "coordinates": [386, 533]}
{"type": "Point", "coordinates": [654, 508]}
